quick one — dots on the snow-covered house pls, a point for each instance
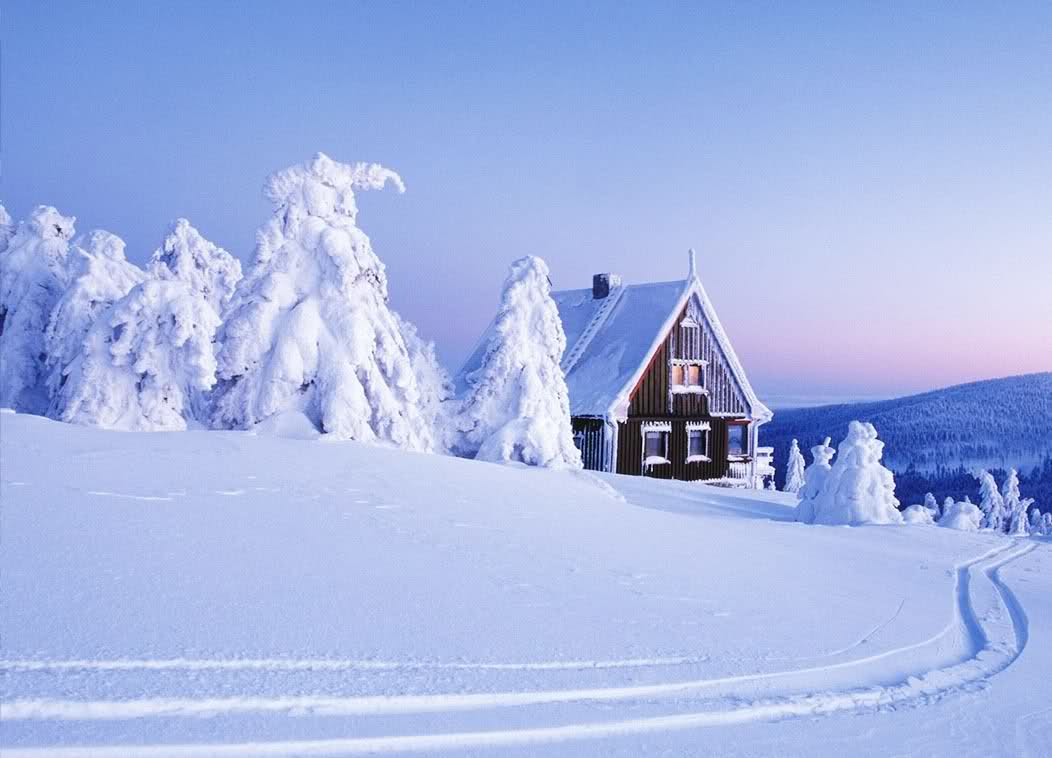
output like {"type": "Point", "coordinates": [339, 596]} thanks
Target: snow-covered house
{"type": "Point", "coordinates": [655, 385]}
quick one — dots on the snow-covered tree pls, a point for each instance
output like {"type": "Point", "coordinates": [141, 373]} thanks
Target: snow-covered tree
{"type": "Point", "coordinates": [100, 275]}
{"type": "Point", "coordinates": [1035, 522]}
{"type": "Point", "coordinates": [186, 255]}
{"type": "Point", "coordinates": [794, 470]}
{"type": "Point", "coordinates": [7, 228]}
{"type": "Point", "coordinates": [517, 406]}
{"type": "Point", "coordinates": [858, 489]}
{"type": "Point", "coordinates": [309, 328]}
{"type": "Point", "coordinates": [144, 359]}
{"type": "Point", "coordinates": [990, 502]}
{"type": "Point", "coordinates": [1012, 499]}
{"type": "Point", "coordinates": [1020, 524]}
{"type": "Point", "coordinates": [433, 383]}
{"type": "Point", "coordinates": [814, 478]}
{"type": "Point", "coordinates": [1046, 524]}
{"type": "Point", "coordinates": [32, 278]}
{"type": "Point", "coordinates": [932, 505]}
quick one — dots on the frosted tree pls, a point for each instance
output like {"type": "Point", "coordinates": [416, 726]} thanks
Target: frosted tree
{"type": "Point", "coordinates": [433, 383]}
{"type": "Point", "coordinates": [858, 489]}
{"type": "Point", "coordinates": [965, 517]}
{"type": "Point", "coordinates": [100, 275]}
{"type": "Point", "coordinates": [814, 477]}
{"type": "Point", "coordinates": [186, 255]}
{"type": "Point", "coordinates": [932, 505]}
{"type": "Point", "coordinates": [144, 359]}
{"type": "Point", "coordinates": [794, 470]}
{"type": "Point", "coordinates": [1046, 524]}
{"type": "Point", "coordinates": [1012, 500]}
{"type": "Point", "coordinates": [32, 278]}
{"type": "Point", "coordinates": [7, 228]}
{"type": "Point", "coordinates": [517, 406]}
{"type": "Point", "coordinates": [309, 328]}
{"type": "Point", "coordinates": [1035, 522]}
{"type": "Point", "coordinates": [947, 503]}
{"type": "Point", "coordinates": [990, 502]}
{"type": "Point", "coordinates": [1020, 524]}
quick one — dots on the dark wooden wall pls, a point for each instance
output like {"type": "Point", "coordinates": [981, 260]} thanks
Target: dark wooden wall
{"type": "Point", "coordinates": [589, 433]}
{"type": "Point", "coordinates": [630, 451]}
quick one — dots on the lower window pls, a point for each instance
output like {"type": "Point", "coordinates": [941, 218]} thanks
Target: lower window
{"type": "Point", "coordinates": [737, 442]}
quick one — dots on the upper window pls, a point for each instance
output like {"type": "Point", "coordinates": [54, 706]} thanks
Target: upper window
{"type": "Point", "coordinates": [737, 442]}
{"type": "Point", "coordinates": [687, 376]}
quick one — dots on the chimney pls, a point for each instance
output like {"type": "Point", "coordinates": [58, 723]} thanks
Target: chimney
{"type": "Point", "coordinates": [603, 283]}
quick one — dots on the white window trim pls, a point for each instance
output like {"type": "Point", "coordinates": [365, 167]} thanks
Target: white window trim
{"type": "Point", "coordinates": [699, 426]}
{"type": "Point", "coordinates": [656, 426]}
{"type": "Point", "coordinates": [688, 389]}
{"type": "Point", "coordinates": [746, 433]}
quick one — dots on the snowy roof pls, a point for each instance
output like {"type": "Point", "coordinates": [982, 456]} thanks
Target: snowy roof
{"type": "Point", "coordinates": [610, 342]}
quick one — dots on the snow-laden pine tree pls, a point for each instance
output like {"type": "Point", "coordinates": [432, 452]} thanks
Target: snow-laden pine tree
{"type": "Point", "coordinates": [433, 384]}
{"type": "Point", "coordinates": [794, 470]}
{"type": "Point", "coordinates": [990, 502]}
{"type": "Point", "coordinates": [932, 505]}
{"type": "Point", "coordinates": [7, 228]}
{"type": "Point", "coordinates": [144, 360]}
{"type": "Point", "coordinates": [32, 278]}
{"type": "Point", "coordinates": [209, 269]}
{"type": "Point", "coordinates": [100, 275]}
{"type": "Point", "coordinates": [814, 477]}
{"type": "Point", "coordinates": [1046, 524]}
{"type": "Point", "coordinates": [858, 489]}
{"type": "Point", "coordinates": [1012, 499]}
{"type": "Point", "coordinates": [309, 328]}
{"type": "Point", "coordinates": [1035, 522]}
{"type": "Point", "coordinates": [517, 406]}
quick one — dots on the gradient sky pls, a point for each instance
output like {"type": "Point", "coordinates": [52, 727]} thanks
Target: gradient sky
{"type": "Point", "coordinates": [868, 185]}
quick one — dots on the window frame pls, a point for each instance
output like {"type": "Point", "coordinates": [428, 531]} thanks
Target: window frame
{"type": "Point", "coordinates": [744, 454]}
{"type": "Point", "coordinates": [663, 428]}
{"type": "Point", "coordinates": [704, 429]}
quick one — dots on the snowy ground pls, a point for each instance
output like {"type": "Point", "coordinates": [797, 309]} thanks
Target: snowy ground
{"type": "Point", "coordinates": [206, 593]}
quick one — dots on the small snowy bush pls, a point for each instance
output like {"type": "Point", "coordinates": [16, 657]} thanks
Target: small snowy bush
{"type": "Point", "coordinates": [517, 407]}
{"type": "Point", "coordinates": [186, 255]}
{"type": "Point", "coordinates": [100, 276]}
{"type": "Point", "coordinates": [794, 470]}
{"type": "Point", "coordinates": [32, 278]}
{"type": "Point", "coordinates": [917, 514]}
{"type": "Point", "coordinates": [858, 489]}
{"type": "Point", "coordinates": [814, 478]}
{"type": "Point", "coordinates": [965, 517]}
{"type": "Point", "coordinates": [144, 359]}
{"type": "Point", "coordinates": [991, 503]}
{"type": "Point", "coordinates": [932, 505]}
{"type": "Point", "coordinates": [310, 329]}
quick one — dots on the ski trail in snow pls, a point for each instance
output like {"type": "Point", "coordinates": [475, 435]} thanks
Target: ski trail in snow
{"type": "Point", "coordinates": [995, 641]}
{"type": "Point", "coordinates": [102, 493]}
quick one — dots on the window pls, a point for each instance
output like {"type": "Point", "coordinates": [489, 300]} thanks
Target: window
{"type": "Point", "coordinates": [737, 443]}
{"type": "Point", "coordinates": [697, 441]}
{"type": "Point", "coordinates": [693, 376]}
{"type": "Point", "coordinates": [687, 376]}
{"type": "Point", "coordinates": [655, 443]}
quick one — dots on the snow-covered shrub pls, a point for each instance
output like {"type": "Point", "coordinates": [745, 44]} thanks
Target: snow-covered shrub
{"type": "Point", "coordinates": [32, 278]}
{"type": "Point", "coordinates": [794, 470]}
{"type": "Point", "coordinates": [7, 228]}
{"type": "Point", "coordinates": [814, 478]}
{"type": "Point", "coordinates": [309, 327]}
{"type": "Point", "coordinates": [186, 255]}
{"type": "Point", "coordinates": [858, 489]}
{"type": "Point", "coordinates": [990, 502]}
{"type": "Point", "coordinates": [1046, 524]}
{"type": "Point", "coordinates": [1012, 500]}
{"type": "Point", "coordinates": [1035, 522]}
{"type": "Point", "coordinates": [917, 514]}
{"type": "Point", "coordinates": [100, 275]}
{"type": "Point", "coordinates": [965, 517]}
{"type": "Point", "coordinates": [433, 383]}
{"type": "Point", "coordinates": [932, 505]}
{"type": "Point", "coordinates": [1020, 525]}
{"type": "Point", "coordinates": [144, 360]}
{"type": "Point", "coordinates": [517, 406]}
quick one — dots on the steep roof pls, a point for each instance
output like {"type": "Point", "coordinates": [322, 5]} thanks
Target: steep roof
{"type": "Point", "coordinates": [610, 342]}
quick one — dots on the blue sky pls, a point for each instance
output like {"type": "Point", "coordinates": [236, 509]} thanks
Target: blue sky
{"type": "Point", "coordinates": [867, 184]}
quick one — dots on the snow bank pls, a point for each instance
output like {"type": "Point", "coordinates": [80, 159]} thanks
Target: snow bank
{"type": "Point", "coordinates": [917, 514]}
{"type": "Point", "coordinates": [32, 278]}
{"type": "Point", "coordinates": [517, 408]}
{"type": "Point", "coordinates": [858, 489]}
{"type": "Point", "coordinates": [309, 327]}
{"type": "Point", "coordinates": [965, 517]}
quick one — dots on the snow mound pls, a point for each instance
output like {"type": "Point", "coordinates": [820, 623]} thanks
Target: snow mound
{"type": "Point", "coordinates": [290, 425]}
{"type": "Point", "coordinates": [917, 514]}
{"type": "Point", "coordinates": [965, 517]}
{"type": "Point", "coordinates": [858, 489]}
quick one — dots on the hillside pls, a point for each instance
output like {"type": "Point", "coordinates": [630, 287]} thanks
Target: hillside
{"type": "Point", "coordinates": [228, 593]}
{"type": "Point", "coordinates": [1000, 423]}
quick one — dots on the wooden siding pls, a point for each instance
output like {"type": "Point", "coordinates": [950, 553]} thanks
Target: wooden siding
{"type": "Point", "coordinates": [630, 451]}
{"type": "Point", "coordinates": [588, 436]}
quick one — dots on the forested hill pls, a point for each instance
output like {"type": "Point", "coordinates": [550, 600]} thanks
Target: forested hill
{"type": "Point", "coordinates": [998, 424]}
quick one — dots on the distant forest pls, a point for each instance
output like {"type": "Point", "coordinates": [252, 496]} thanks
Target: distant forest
{"type": "Point", "coordinates": [934, 442]}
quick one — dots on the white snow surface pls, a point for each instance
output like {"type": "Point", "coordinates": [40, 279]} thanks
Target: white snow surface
{"type": "Point", "coordinates": [232, 593]}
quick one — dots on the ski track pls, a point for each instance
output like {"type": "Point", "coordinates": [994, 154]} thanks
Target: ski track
{"type": "Point", "coordinates": [991, 643]}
